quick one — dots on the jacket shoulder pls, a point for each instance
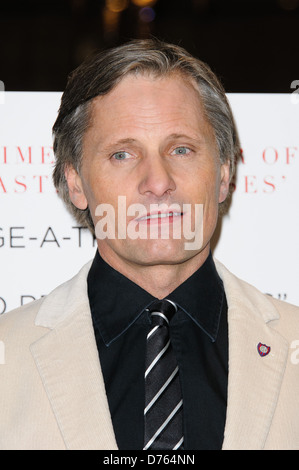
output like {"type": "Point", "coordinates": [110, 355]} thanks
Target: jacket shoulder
{"type": "Point", "coordinates": [283, 316]}
{"type": "Point", "coordinates": [288, 323]}
{"type": "Point", "coordinates": [17, 323]}
{"type": "Point", "coordinates": [285, 307]}
{"type": "Point", "coordinates": [47, 311]}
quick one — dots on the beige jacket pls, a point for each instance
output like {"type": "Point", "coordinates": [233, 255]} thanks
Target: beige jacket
{"type": "Point", "coordinates": [52, 394]}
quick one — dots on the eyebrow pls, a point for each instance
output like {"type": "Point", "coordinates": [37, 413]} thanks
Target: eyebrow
{"type": "Point", "coordinates": [129, 140]}
{"type": "Point", "coordinates": [183, 136]}
{"type": "Point", "coordinates": [119, 142]}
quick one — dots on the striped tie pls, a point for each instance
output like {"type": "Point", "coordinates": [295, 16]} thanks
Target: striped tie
{"type": "Point", "coordinates": [163, 413]}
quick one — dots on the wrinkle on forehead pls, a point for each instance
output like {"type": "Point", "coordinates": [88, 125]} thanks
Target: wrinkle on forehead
{"type": "Point", "coordinates": [148, 109]}
{"type": "Point", "coordinates": [177, 76]}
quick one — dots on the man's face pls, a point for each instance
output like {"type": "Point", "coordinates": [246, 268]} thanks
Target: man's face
{"type": "Point", "coordinates": [149, 142]}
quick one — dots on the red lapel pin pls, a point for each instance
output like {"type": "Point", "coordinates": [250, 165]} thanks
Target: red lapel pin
{"type": "Point", "coordinates": [263, 349]}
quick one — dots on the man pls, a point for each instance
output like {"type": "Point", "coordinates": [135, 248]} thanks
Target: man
{"type": "Point", "coordinates": [145, 148]}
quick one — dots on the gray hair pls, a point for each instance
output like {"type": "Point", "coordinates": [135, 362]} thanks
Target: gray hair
{"type": "Point", "coordinates": [100, 74]}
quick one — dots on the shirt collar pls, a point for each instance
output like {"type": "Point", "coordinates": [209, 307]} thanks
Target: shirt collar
{"type": "Point", "coordinates": [116, 302]}
{"type": "Point", "coordinates": [202, 297]}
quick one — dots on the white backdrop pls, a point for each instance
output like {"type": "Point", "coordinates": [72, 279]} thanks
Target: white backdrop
{"type": "Point", "coordinates": [41, 245]}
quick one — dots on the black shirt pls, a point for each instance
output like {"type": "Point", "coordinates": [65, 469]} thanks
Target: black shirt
{"type": "Point", "coordinates": [199, 336]}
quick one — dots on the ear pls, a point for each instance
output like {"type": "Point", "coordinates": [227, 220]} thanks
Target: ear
{"type": "Point", "coordinates": [75, 186]}
{"type": "Point", "coordinates": [225, 180]}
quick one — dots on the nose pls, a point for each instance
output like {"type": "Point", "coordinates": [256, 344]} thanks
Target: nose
{"type": "Point", "coordinates": [156, 178]}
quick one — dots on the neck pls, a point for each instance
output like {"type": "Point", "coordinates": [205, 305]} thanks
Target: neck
{"type": "Point", "coordinates": [157, 279]}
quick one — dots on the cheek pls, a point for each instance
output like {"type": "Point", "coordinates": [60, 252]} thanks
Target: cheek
{"type": "Point", "coordinates": [103, 190]}
{"type": "Point", "coordinates": [206, 187]}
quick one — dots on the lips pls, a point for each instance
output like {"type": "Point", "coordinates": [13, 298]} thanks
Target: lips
{"type": "Point", "coordinates": [159, 216]}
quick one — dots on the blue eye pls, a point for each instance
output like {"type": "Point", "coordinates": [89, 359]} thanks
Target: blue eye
{"type": "Point", "coordinates": [120, 155]}
{"type": "Point", "coordinates": [181, 151]}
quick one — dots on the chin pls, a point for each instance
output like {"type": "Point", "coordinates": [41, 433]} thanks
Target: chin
{"type": "Point", "coordinates": [161, 252]}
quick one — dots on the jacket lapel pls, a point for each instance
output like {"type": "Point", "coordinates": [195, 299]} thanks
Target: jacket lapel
{"type": "Point", "coordinates": [67, 360]}
{"type": "Point", "coordinates": [254, 380]}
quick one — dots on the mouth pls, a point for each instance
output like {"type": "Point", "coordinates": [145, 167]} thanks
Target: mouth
{"type": "Point", "coordinates": [160, 217]}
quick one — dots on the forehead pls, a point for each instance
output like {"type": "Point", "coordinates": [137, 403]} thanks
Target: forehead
{"type": "Point", "coordinates": [145, 102]}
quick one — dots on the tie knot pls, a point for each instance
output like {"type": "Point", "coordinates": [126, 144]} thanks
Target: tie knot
{"type": "Point", "coordinates": [162, 311]}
